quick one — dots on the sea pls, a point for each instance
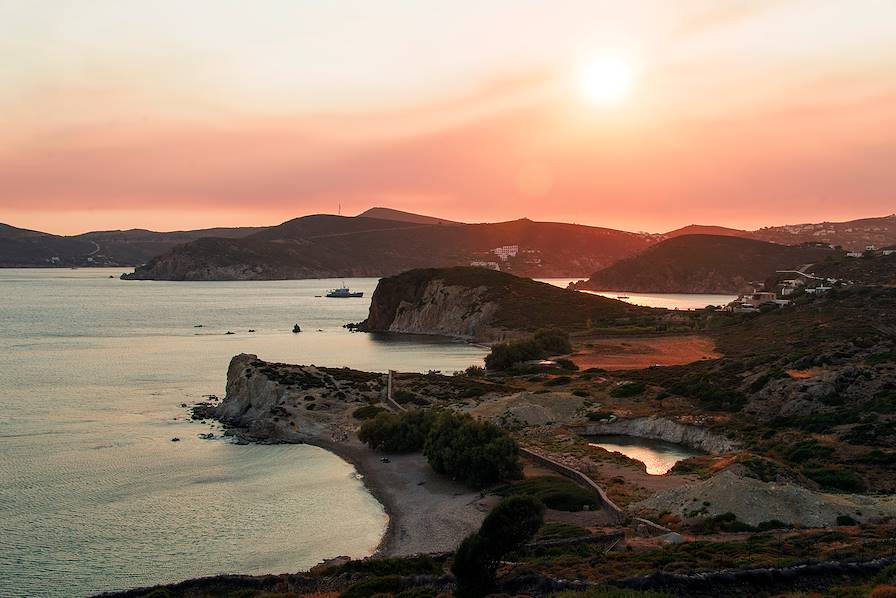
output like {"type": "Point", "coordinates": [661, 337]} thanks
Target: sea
{"type": "Point", "coordinates": [96, 376]}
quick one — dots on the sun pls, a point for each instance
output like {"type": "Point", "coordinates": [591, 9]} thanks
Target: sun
{"type": "Point", "coordinates": [607, 81]}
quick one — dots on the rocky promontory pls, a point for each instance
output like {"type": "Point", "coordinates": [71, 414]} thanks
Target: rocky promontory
{"type": "Point", "coordinates": [484, 305]}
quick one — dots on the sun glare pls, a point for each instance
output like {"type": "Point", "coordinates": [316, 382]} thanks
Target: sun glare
{"type": "Point", "coordinates": [607, 81]}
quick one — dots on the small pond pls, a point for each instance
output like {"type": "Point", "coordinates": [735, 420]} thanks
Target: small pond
{"type": "Point", "coordinates": [658, 455]}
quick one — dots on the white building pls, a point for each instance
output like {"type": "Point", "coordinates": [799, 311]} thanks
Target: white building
{"type": "Point", "coordinates": [506, 251]}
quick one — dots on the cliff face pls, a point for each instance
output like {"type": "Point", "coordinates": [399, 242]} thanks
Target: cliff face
{"type": "Point", "coordinates": [433, 307]}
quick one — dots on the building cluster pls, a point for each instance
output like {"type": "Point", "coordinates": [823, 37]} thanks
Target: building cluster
{"type": "Point", "coordinates": [871, 250]}
{"type": "Point", "coordinates": [505, 254]}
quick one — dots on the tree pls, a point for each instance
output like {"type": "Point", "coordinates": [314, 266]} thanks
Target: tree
{"type": "Point", "coordinates": [477, 453]}
{"type": "Point", "coordinates": [508, 527]}
{"type": "Point", "coordinates": [512, 523]}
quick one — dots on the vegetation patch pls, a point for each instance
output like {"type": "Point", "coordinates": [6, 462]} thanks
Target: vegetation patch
{"type": "Point", "coordinates": [554, 492]}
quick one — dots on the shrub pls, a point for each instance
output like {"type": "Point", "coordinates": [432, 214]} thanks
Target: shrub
{"type": "Point", "coordinates": [726, 522]}
{"type": "Point", "coordinates": [367, 412]}
{"type": "Point", "coordinates": [846, 520]}
{"type": "Point", "coordinates": [477, 453]}
{"type": "Point", "coordinates": [567, 364]}
{"type": "Point", "coordinates": [558, 381]}
{"type": "Point", "coordinates": [504, 355]}
{"type": "Point", "coordinates": [581, 392]}
{"type": "Point", "coordinates": [597, 416]}
{"type": "Point", "coordinates": [835, 478]}
{"type": "Point", "coordinates": [375, 585]}
{"type": "Point", "coordinates": [554, 492]}
{"type": "Point", "coordinates": [415, 565]}
{"type": "Point", "coordinates": [475, 371]}
{"type": "Point", "coordinates": [544, 343]}
{"type": "Point", "coordinates": [402, 396]}
{"type": "Point", "coordinates": [553, 341]}
{"type": "Point", "coordinates": [627, 389]}
{"type": "Point", "coordinates": [397, 433]}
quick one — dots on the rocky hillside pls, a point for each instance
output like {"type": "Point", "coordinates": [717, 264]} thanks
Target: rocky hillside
{"type": "Point", "coordinates": [853, 235]}
{"type": "Point", "coordinates": [704, 264]}
{"type": "Point", "coordinates": [334, 246]}
{"type": "Point", "coordinates": [484, 305]}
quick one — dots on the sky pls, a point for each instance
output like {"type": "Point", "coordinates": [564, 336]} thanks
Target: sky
{"type": "Point", "coordinates": [640, 115]}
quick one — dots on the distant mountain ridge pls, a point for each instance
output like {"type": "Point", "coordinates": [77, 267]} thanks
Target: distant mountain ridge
{"type": "Point", "coordinates": [24, 248]}
{"type": "Point", "coordinates": [704, 264]}
{"type": "Point", "coordinates": [334, 246]}
{"type": "Point", "coordinates": [29, 248]}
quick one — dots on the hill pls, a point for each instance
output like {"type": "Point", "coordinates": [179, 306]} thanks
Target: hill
{"type": "Point", "coordinates": [22, 248]}
{"type": "Point", "coordinates": [702, 229]}
{"type": "Point", "coordinates": [484, 305]}
{"type": "Point", "coordinates": [703, 264]}
{"type": "Point", "coordinates": [853, 235]}
{"type": "Point", "coordinates": [398, 215]}
{"type": "Point", "coordinates": [323, 246]}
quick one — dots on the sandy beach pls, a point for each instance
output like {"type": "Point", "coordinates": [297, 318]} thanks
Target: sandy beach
{"type": "Point", "coordinates": [427, 512]}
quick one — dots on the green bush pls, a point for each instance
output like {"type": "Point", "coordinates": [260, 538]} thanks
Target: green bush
{"type": "Point", "coordinates": [477, 453]}
{"type": "Point", "coordinates": [835, 478]}
{"type": "Point", "coordinates": [415, 565]}
{"type": "Point", "coordinates": [475, 371]}
{"type": "Point", "coordinates": [553, 341]}
{"type": "Point", "coordinates": [544, 343]}
{"type": "Point", "coordinates": [397, 433]}
{"type": "Point", "coordinates": [846, 520]}
{"type": "Point", "coordinates": [554, 492]}
{"type": "Point", "coordinates": [558, 381]}
{"type": "Point", "coordinates": [388, 584]}
{"type": "Point", "coordinates": [726, 522]}
{"type": "Point", "coordinates": [367, 412]}
{"type": "Point", "coordinates": [627, 389]}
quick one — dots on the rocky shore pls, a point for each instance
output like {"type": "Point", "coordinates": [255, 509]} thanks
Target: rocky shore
{"type": "Point", "coordinates": [280, 403]}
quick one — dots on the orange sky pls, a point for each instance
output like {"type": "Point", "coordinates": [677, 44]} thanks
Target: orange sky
{"type": "Point", "coordinates": [742, 114]}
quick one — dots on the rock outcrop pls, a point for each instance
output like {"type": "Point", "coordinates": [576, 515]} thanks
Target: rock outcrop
{"type": "Point", "coordinates": [483, 305]}
{"type": "Point", "coordinates": [275, 402]}
{"type": "Point", "coordinates": [661, 428]}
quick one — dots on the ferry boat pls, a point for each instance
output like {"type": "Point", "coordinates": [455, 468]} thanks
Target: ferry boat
{"type": "Point", "coordinates": [343, 293]}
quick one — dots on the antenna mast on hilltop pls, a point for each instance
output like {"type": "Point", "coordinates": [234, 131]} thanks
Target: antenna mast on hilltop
{"type": "Point", "coordinates": [340, 209]}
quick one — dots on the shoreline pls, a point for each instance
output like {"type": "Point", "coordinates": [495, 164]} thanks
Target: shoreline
{"type": "Point", "coordinates": [426, 513]}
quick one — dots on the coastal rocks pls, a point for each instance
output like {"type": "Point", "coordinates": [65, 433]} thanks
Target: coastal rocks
{"type": "Point", "coordinates": [660, 428]}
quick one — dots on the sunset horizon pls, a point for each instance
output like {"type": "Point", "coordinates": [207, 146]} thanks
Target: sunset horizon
{"type": "Point", "coordinates": [737, 114]}
{"type": "Point", "coordinates": [426, 299]}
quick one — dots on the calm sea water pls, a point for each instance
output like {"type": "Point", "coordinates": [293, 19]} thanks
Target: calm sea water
{"type": "Point", "coordinates": [664, 300]}
{"type": "Point", "coordinates": [659, 456]}
{"type": "Point", "coordinates": [93, 371]}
